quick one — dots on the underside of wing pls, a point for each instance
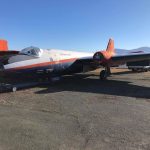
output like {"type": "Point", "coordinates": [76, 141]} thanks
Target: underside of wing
{"type": "Point", "coordinates": [87, 60]}
{"type": "Point", "coordinates": [120, 59]}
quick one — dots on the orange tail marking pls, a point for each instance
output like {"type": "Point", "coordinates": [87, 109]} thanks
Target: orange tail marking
{"type": "Point", "coordinates": [110, 46]}
{"type": "Point", "coordinates": [3, 45]}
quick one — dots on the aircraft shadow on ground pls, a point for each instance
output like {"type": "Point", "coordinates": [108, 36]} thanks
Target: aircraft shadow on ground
{"type": "Point", "coordinates": [81, 83]}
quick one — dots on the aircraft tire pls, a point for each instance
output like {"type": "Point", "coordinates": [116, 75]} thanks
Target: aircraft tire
{"type": "Point", "coordinates": [103, 75]}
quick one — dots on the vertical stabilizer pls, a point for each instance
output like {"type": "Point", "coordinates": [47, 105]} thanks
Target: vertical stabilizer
{"type": "Point", "coordinates": [110, 46]}
{"type": "Point", "coordinates": [3, 45]}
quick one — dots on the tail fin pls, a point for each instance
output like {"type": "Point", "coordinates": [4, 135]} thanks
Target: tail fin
{"type": "Point", "coordinates": [110, 46]}
{"type": "Point", "coordinates": [3, 45]}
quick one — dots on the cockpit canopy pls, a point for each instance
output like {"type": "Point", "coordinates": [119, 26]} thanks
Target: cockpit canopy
{"type": "Point", "coordinates": [32, 51]}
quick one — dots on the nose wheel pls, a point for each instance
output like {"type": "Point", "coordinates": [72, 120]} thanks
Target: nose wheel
{"type": "Point", "coordinates": [105, 73]}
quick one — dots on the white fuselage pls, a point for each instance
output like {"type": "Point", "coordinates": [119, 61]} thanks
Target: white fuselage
{"type": "Point", "coordinates": [47, 57]}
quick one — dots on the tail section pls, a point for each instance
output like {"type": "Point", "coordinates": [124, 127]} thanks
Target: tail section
{"type": "Point", "coordinates": [3, 45]}
{"type": "Point", "coordinates": [110, 46]}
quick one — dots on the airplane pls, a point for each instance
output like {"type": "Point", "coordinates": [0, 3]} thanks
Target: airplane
{"type": "Point", "coordinates": [56, 63]}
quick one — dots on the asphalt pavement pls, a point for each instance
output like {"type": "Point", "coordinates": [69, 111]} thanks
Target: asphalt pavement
{"type": "Point", "coordinates": [79, 113]}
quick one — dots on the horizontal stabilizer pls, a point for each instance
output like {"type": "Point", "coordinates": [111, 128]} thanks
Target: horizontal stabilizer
{"type": "Point", "coordinates": [4, 53]}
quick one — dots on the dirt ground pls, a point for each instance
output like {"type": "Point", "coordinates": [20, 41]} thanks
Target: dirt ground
{"type": "Point", "coordinates": [79, 113]}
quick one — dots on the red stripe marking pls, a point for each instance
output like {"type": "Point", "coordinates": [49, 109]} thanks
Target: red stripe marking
{"type": "Point", "coordinates": [44, 64]}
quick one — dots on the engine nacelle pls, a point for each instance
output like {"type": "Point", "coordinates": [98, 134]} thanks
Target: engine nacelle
{"type": "Point", "coordinates": [103, 56]}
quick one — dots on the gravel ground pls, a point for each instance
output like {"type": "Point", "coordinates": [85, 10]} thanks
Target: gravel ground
{"type": "Point", "coordinates": [79, 113]}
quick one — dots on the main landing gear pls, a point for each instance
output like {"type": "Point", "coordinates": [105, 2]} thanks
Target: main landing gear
{"type": "Point", "coordinates": [105, 73]}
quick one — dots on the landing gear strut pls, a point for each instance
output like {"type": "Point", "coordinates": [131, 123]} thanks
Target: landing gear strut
{"type": "Point", "coordinates": [105, 73]}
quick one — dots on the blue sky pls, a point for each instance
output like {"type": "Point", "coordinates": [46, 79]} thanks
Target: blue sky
{"type": "Point", "coordinates": [84, 25]}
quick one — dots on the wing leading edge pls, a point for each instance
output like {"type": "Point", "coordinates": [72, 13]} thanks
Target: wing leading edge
{"type": "Point", "coordinates": [130, 58]}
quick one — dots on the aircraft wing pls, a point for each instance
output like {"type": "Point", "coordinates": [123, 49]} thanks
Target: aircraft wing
{"type": "Point", "coordinates": [122, 59]}
{"type": "Point", "coordinates": [117, 59]}
{"type": "Point", "coordinates": [114, 60]}
{"type": "Point", "coordinates": [111, 57]}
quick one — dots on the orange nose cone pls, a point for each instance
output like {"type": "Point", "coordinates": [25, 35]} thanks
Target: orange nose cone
{"type": "Point", "coordinates": [3, 45]}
